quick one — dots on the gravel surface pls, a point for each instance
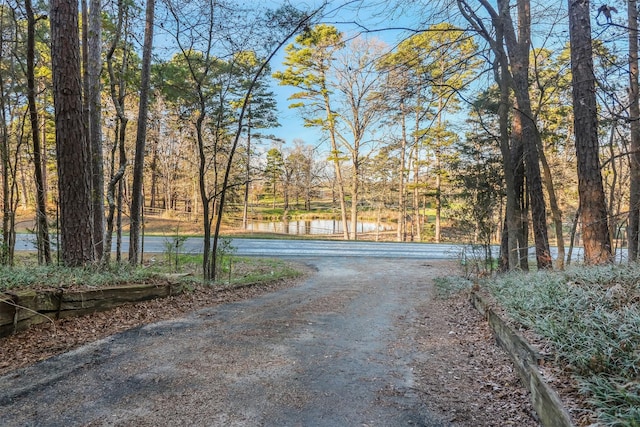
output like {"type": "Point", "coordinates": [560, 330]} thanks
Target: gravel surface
{"type": "Point", "coordinates": [359, 342]}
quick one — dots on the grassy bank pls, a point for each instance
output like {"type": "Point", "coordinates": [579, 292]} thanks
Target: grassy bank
{"type": "Point", "coordinates": [234, 271]}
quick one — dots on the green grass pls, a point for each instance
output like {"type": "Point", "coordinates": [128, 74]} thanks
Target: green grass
{"type": "Point", "coordinates": [592, 318]}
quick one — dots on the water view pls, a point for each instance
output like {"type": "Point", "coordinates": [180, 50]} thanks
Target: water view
{"type": "Point", "coordinates": [313, 227]}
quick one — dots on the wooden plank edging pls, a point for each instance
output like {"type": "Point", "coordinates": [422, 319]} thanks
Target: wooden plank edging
{"type": "Point", "coordinates": [545, 400]}
{"type": "Point", "coordinates": [23, 308]}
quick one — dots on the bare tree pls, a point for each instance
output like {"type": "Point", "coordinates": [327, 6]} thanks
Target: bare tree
{"type": "Point", "coordinates": [402, 96]}
{"type": "Point", "coordinates": [303, 165]}
{"type": "Point", "coordinates": [117, 89]}
{"type": "Point", "coordinates": [205, 85]}
{"type": "Point", "coordinates": [357, 114]}
{"type": "Point", "coordinates": [296, 22]}
{"type": "Point", "coordinates": [548, 86]}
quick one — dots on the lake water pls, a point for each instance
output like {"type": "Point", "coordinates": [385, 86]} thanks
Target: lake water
{"type": "Point", "coordinates": [312, 227]}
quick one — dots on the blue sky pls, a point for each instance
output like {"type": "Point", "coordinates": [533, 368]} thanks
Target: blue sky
{"type": "Point", "coordinates": [349, 16]}
{"type": "Point", "coordinates": [374, 16]}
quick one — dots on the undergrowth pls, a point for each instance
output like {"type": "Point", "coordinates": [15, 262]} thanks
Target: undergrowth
{"type": "Point", "coordinates": [30, 276]}
{"type": "Point", "coordinates": [447, 286]}
{"type": "Point", "coordinates": [592, 318]}
{"type": "Point", "coordinates": [239, 271]}
{"type": "Point", "coordinates": [248, 270]}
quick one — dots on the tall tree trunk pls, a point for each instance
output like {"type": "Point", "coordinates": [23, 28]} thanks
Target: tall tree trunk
{"type": "Point", "coordinates": [515, 222]}
{"type": "Point", "coordinates": [117, 91]}
{"type": "Point", "coordinates": [114, 182]}
{"type": "Point", "coordinates": [518, 48]}
{"type": "Point", "coordinates": [94, 69]}
{"type": "Point", "coordinates": [44, 246]}
{"type": "Point", "coordinates": [44, 158]}
{"type": "Point", "coordinates": [308, 180]}
{"type": "Point", "coordinates": [74, 176]}
{"type": "Point", "coordinates": [285, 189]}
{"type": "Point", "coordinates": [509, 256]}
{"type": "Point", "coordinates": [335, 158]}
{"type": "Point", "coordinates": [355, 183]}
{"type": "Point", "coordinates": [416, 178]}
{"type": "Point", "coordinates": [517, 161]}
{"type": "Point", "coordinates": [245, 207]}
{"type": "Point", "coordinates": [634, 115]}
{"type": "Point", "coordinates": [274, 181]}
{"type": "Point", "coordinates": [154, 173]}
{"type": "Point", "coordinates": [137, 201]}
{"type": "Point", "coordinates": [7, 213]}
{"type": "Point", "coordinates": [119, 208]}
{"type": "Point", "coordinates": [208, 258]}
{"type": "Point", "coordinates": [597, 246]}
{"type": "Point", "coordinates": [438, 156]}
{"type": "Point", "coordinates": [613, 177]}
{"type": "Point", "coordinates": [438, 199]}
{"type": "Point", "coordinates": [556, 212]}
{"type": "Point", "coordinates": [402, 213]}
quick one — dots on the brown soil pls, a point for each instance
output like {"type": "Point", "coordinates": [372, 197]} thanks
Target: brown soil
{"type": "Point", "coordinates": [462, 374]}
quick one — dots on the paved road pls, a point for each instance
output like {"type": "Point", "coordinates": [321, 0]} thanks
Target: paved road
{"type": "Point", "coordinates": [326, 248]}
{"type": "Point", "coordinates": [337, 350]}
{"type": "Point", "coordinates": [305, 248]}
{"type": "Point", "coordinates": [298, 248]}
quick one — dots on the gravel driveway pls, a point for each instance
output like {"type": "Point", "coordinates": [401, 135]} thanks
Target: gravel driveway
{"type": "Point", "coordinates": [337, 350]}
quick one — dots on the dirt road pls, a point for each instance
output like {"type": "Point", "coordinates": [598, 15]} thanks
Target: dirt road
{"type": "Point", "coordinates": [338, 350]}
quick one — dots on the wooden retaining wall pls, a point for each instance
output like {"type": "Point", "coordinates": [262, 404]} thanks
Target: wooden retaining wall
{"type": "Point", "coordinates": [545, 400]}
{"type": "Point", "coordinates": [23, 308]}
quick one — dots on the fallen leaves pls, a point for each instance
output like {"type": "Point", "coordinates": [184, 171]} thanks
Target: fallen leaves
{"type": "Point", "coordinates": [467, 378]}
